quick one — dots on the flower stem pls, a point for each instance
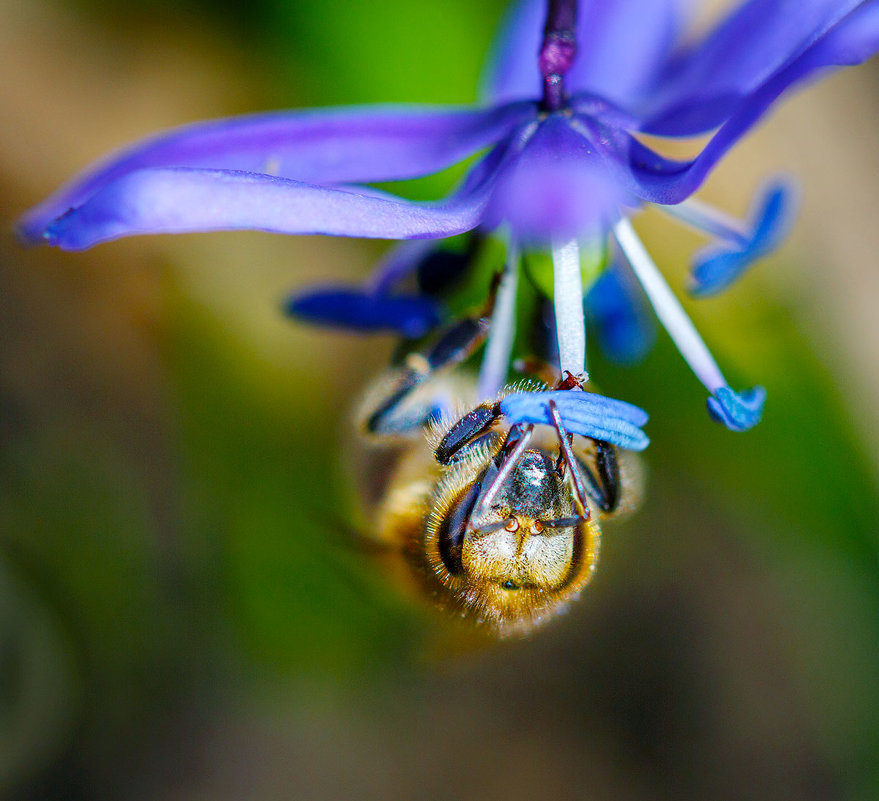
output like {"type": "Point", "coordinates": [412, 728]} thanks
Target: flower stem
{"type": "Point", "coordinates": [557, 51]}
{"type": "Point", "coordinates": [568, 301]}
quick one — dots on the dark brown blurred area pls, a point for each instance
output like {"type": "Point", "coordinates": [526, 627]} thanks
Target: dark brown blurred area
{"type": "Point", "coordinates": [671, 680]}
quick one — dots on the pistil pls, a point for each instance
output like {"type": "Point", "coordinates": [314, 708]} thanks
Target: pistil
{"type": "Point", "coordinates": [558, 50]}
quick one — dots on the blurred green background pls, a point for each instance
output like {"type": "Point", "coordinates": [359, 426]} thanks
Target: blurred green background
{"type": "Point", "coordinates": [178, 616]}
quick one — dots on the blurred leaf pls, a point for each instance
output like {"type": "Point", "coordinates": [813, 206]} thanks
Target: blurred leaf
{"type": "Point", "coordinates": [259, 486]}
{"type": "Point", "coordinates": [800, 490]}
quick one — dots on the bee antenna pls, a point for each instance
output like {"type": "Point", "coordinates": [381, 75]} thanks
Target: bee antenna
{"type": "Point", "coordinates": [571, 460]}
{"type": "Point", "coordinates": [565, 522]}
{"type": "Point", "coordinates": [491, 527]}
{"type": "Point", "coordinates": [505, 469]}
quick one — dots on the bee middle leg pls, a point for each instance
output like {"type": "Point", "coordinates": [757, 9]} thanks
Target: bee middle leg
{"type": "Point", "coordinates": [603, 485]}
{"type": "Point", "coordinates": [453, 345]}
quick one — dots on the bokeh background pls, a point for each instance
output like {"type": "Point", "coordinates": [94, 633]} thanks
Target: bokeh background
{"type": "Point", "coordinates": [178, 617]}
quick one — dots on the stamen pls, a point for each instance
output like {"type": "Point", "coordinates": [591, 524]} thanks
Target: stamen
{"type": "Point", "coordinates": [583, 413]}
{"type": "Point", "coordinates": [738, 411]}
{"type": "Point", "coordinates": [668, 309]}
{"type": "Point", "coordinates": [498, 351]}
{"type": "Point", "coordinates": [741, 243]}
{"type": "Point", "coordinates": [626, 327]}
{"type": "Point", "coordinates": [709, 220]}
{"type": "Point", "coordinates": [568, 302]}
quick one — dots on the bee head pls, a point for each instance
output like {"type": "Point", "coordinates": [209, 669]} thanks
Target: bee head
{"type": "Point", "coordinates": [522, 556]}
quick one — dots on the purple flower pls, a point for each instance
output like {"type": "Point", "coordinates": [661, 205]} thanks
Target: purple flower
{"type": "Point", "coordinates": [567, 89]}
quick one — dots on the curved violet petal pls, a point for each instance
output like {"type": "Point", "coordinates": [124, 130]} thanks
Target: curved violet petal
{"type": "Point", "coordinates": [854, 40]}
{"type": "Point", "coordinates": [510, 71]}
{"type": "Point", "coordinates": [718, 266]}
{"type": "Point", "coordinates": [352, 145]}
{"type": "Point", "coordinates": [621, 45]}
{"type": "Point", "coordinates": [584, 413]}
{"type": "Point", "coordinates": [738, 411]}
{"type": "Point", "coordinates": [626, 331]}
{"type": "Point", "coordinates": [353, 309]}
{"type": "Point", "coordinates": [655, 179]}
{"type": "Point", "coordinates": [703, 85]}
{"type": "Point", "coordinates": [155, 201]}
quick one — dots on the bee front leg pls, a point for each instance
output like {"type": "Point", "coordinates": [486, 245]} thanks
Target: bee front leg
{"type": "Point", "coordinates": [469, 427]}
{"type": "Point", "coordinates": [602, 485]}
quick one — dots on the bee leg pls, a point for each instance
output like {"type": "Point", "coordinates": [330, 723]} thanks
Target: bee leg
{"type": "Point", "coordinates": [454, 345]}
{"type": "Point", "coordinates": [471, 425]}
{"type": "Point", "coordinates": [386, 417]}
{"type": "Point", "coordinates": [604, 488]}
{"type": "Point", "coordinates": [519, 437]}
{"type": "Point", "coordinates": [567, 457]}
{"type": "Point", "coordinates": [608, 467]}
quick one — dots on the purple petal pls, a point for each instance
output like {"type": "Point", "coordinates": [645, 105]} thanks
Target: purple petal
{"type": "Point", "coordinates": [558, 186]}
{"type": "Point", "coordinates": [358, 311]}
{"type": "Point", "coordinates": [352, 145]}
{"type": "Point", "coordinates": [719, 266]}
{"type": "Point", "coordinates": [179, 200]}
{"type": "Point", "coordinates": [656, 179]}
{"type": "Point", "coordinates": [584, 413]}
{"type": "Point", "coordinates": [855, 39]}
{"type": "Point", "coordinates": [738, 411]}
{"type": "Point", "coordinates": [625, 330]}
{"type": "Point", "coordinates": [704, 85]}
{"type": "Point", "coordinates": [511, 72]}
{"type": "Point", "coordinates": [621, 44]}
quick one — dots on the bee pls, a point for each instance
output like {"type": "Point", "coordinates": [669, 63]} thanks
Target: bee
{"type": "Point", "coordinates": [492, 520]}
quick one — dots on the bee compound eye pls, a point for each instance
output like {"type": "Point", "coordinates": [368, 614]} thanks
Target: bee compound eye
{"type": "Point", "coordinates": [453, 528]}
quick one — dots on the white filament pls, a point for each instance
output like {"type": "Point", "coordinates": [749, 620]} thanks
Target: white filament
{"type": "Point", "coordinates": [668, 309]}
{"type": "Point", "coordinates": [568, 301]}
{"type": "Point", "coordinates": [496, 361]}
{"type": "Point", "coordinates": [709, 220]}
